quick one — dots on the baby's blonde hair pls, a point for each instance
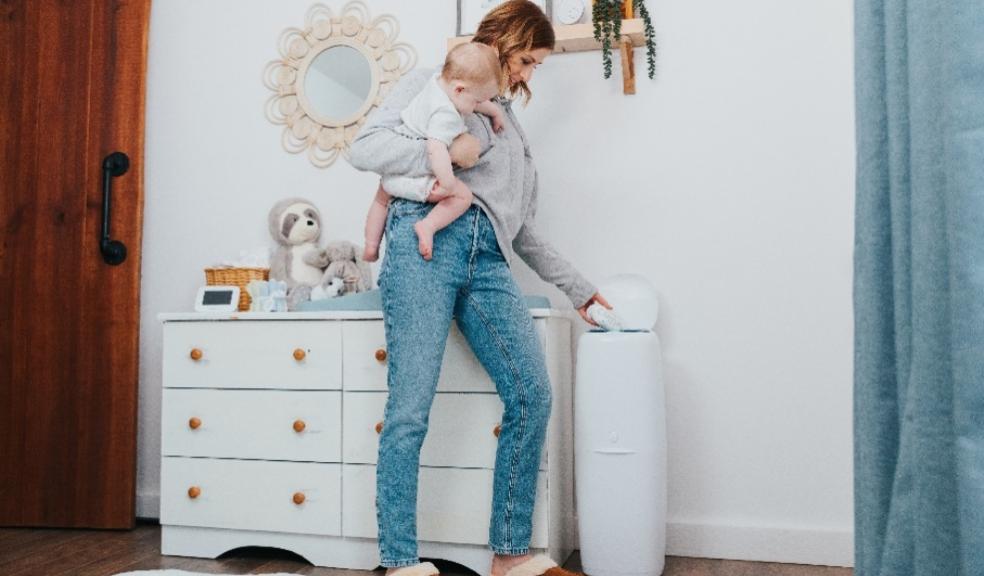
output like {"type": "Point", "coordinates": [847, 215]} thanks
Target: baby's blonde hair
{"type": "Point", "coordinates": [474, 63]}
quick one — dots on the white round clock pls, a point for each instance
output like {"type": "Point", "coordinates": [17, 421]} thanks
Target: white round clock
{"type": "Point", "coordinates": [569, 11]}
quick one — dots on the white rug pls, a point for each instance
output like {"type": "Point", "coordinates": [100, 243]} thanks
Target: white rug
{"type": "Point", "coordinates": [184, 573]}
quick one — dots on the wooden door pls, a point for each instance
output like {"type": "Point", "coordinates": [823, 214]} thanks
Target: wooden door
{"type": "Point", "coordinates": [72, 77]}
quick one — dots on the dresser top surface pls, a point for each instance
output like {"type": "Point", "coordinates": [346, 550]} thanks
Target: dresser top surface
{"type": "Point", "coordinates": [323, 315]}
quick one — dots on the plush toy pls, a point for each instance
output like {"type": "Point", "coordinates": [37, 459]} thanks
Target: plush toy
{"type": "Point", "coordinates": [295, 224]}
{"type": "Point", "coordinates": [343, 261]}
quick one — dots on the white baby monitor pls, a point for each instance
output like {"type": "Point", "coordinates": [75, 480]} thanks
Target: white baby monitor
{"type": "Point", "coordinates": [217, 299]}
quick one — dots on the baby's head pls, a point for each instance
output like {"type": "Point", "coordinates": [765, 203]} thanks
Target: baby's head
{"type": "Point", "coordinates": [472, 74]}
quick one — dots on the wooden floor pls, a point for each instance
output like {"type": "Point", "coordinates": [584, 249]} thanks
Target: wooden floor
{"type": "Point", "coordinates": [54, 552]}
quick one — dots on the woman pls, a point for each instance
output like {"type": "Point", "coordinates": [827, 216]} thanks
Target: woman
{"type": "Point", "coordinates": [468, 278]}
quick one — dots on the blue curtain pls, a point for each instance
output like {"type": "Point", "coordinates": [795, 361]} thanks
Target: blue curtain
{"type": "Point", "coordinates": [919, 288]}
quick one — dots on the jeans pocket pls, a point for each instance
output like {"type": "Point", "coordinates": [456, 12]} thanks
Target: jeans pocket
{"type": "Point", "coordinates": [400, 235]}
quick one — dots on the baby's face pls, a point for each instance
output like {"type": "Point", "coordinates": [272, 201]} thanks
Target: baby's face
{"type": "Point", "coordinates": [466, 97]}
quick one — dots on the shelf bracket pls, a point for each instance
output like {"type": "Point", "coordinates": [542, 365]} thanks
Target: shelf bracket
{"type": "Point", "coordinates": [628, 66]}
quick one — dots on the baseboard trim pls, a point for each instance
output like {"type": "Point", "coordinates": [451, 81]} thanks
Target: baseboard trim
{"type": "Point", "coordinates": [821, 547]}
{"type": "Point", "coordinates": [149, 505]}
{"type": "Point", "coordinates": [818, 546]}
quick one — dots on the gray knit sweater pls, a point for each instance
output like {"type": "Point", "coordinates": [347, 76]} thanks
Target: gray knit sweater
{"type": "Point", "coordinates": [503, 181]}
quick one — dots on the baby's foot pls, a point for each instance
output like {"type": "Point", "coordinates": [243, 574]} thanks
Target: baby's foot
{"type": "Point", "coordinates": [425, 239]}
{"type": "Point", "coordinates": [371, 252]}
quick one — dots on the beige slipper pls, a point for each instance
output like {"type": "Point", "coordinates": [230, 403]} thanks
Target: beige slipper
{"type": "Point", "coordinates": [422, 569]}
{"type": "Point", "coordinates": [540, 565]}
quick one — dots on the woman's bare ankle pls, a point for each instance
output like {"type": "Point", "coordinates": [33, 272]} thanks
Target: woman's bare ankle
{"type": "Point", "coordinates": [390, 571]}
{"type": "Point", "coordinates": [502, 563]}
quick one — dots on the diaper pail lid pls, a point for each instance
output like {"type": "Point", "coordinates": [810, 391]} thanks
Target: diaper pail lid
{"type": "Point", "coordinates": [634, 300]}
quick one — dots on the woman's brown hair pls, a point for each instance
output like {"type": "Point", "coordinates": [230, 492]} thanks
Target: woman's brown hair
{"type": "Point", "coordinates": [516, 26]}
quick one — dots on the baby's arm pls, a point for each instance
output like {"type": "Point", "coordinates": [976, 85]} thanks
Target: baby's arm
{"type": "Point", "coordinates": [440, 163]}
{"type": "Point", "coordinates": [375, 223]}
{"type": "Point", "coordinates": [493, 111]}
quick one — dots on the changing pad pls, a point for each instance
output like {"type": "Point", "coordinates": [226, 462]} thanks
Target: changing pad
{"type": "Point", "coordinates": [371, 300]}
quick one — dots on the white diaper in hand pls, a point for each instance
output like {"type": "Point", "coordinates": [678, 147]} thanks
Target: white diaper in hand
{"type": "Point", "coordinates": [605, 318]}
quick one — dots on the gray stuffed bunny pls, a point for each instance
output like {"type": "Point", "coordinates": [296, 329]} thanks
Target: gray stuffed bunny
{"type": "Point", "coordinates": [343, 260]}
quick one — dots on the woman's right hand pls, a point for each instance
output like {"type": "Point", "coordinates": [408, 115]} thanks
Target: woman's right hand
{"type": "Point", "coordinates": [583, 310]}
{"type": "Point", "coordinates": [464, 150]}
{"type": "Point", "coordinates": [438, 192]}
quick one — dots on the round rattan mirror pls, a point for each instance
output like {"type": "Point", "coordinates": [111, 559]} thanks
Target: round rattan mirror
{"type": "Point", "coordinates": [330, 76]}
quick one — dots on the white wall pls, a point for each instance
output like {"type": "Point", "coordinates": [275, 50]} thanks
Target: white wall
{"type": "Point", "coordinates": [728, 181]}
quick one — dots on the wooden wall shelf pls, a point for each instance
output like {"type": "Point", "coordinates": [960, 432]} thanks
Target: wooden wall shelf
{"type": "Point", "coordinates": [580, 37]}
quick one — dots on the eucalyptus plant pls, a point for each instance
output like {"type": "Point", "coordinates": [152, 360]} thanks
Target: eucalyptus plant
{"type": "Point", "coordinates": [606, 15]}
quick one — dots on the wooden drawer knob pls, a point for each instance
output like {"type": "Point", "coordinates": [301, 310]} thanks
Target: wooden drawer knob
{"type": "Point", "coordinates": [194, 423]}
{"type": "Point", "coordinates": [381, 355]}
{"type": "Point", "coordinates": [194, 492]}
{"type": "Point", "coordinates": [298, 498]}
{"type": "Point", "coordinates": [497, 430]}
{"type": "Point", "coordinates": [299, 426]}
{"type": "Point", "coordinates": [299, 354]}
{"type": "Point", "coordinates": [196, 354]}
{"type": "Point", "coordinates": [379, 427]}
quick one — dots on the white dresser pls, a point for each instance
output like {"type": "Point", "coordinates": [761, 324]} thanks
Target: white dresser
{"type": "Point", "coordinates": [270, 430]}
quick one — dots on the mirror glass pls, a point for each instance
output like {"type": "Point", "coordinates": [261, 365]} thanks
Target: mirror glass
{"type": "Point", "coordinates": [338, 82]}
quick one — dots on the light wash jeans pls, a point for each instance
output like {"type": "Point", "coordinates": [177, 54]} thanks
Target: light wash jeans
{"type": "Point", "coordinates": [468, 278]}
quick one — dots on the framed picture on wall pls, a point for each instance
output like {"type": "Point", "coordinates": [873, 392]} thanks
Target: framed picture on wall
{"type": "Point", "coordinates": [471, 12]}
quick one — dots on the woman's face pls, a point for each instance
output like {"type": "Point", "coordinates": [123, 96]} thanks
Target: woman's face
{"type": "Point", "coordinates": [521, 64]}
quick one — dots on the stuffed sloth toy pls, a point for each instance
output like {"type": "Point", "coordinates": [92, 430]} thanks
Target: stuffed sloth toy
{"type": "Point", "coordinates": [309, 271]}
{"type": "Point", "coordinates": [295, 224]}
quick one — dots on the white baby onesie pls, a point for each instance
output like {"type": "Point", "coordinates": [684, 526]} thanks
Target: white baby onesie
{"type": "Point", "coordinates": [430, 114]}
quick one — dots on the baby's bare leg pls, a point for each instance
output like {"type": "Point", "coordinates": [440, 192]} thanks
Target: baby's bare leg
{"type": "Point", "coordinates": [446, 211]}
{"type": "Point", "coordinates": [375, 222]}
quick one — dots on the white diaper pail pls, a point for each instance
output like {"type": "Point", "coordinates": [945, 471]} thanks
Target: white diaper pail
{"type": "Point", "coordinates": [620, 438]}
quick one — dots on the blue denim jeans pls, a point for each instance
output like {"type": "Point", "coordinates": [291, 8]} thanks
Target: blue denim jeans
{"type": "Point", "coordinates": [467, 279]}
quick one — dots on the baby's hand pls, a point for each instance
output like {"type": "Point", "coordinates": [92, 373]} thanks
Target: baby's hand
{"type": "Point", "coordinates": [495, 113]}
{"type": "Point", "coordinates": [464, 150]}
{"type": "Point", "coordinates": [498, 119]}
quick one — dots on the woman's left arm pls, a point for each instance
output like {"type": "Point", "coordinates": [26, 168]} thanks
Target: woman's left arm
{"type": "Point", "coordinates": [550, 265]}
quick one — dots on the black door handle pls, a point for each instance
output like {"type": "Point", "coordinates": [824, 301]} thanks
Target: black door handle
{"type": "Point", "coordinates": [116, 164]}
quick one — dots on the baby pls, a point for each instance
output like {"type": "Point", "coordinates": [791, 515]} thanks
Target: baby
{"type": "Point", "coordinates": [471, 76]}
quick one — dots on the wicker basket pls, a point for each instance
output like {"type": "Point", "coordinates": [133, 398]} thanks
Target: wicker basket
{"type": "Point", "coordinates": [236, 277]}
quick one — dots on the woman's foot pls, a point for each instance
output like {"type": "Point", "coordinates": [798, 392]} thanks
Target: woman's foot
{"type": "Point", "coordinates": [370, 254]}
{"type": "Point", "coordinates": [502, 564]}
{"type": "Point", "coordinates": [425, 238]}
{"type": "Point", "coordinates": [422, 569]}
{"type": "Point", "coordinates": [527, 565]}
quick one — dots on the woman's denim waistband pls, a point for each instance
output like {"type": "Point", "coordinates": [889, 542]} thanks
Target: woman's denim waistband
{"type": "Point", "coordinates": [402, 207]}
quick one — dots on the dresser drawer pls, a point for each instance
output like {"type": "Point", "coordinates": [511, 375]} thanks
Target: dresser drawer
{"type": "Point", "coordinates": [253, 354]}
{"type": "Point", "coordinates": [252, 424]}
{"type": "Point", "coordinates": [453, 505]}
{"type": "Point", "coordinates": [461, 432]}
{"type": "Point", "coordinates": [250, 495]}
{"type": "Point", "coordinates": [365, 362]}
